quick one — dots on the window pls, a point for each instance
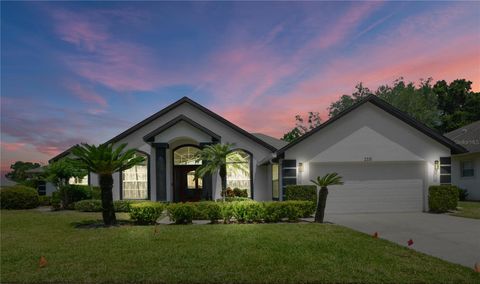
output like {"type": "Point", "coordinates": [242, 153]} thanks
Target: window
{"type": "Point", "coordinates": [239, 171]}
{"type": "Point", "coordinates": [467, 169]}
{"type": "Point", "coordinates": [186, 155]}
{"type": "Point", "coordinates": [135, 180]}
{"type": "Point", "coordinates": [275, 182]}
{"type": "Point", "coordinates": [192, 183]}
{"type": "Point", "coordinates": [78, 181]}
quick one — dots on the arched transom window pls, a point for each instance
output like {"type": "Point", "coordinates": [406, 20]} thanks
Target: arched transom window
{"type": "Point", "coordinates": [186, 155]}
{"type": "Point", "coordinates": [135, 180]}
{"type": "Point", "coordinates": [239, 172]}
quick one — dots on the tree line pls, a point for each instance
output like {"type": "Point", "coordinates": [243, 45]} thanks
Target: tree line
{"type": "Point", "coordinates": [441, 106]}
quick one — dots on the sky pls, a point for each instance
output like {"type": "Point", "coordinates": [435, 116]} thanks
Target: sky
{"type": "Point", "coordinates": [76, 72]}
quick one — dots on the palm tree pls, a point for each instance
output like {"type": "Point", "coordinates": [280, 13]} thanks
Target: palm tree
{"type": "Point", "coordinates": [104, 161]}
{"type": "Point", "coordinates": [214, 159]}
{"type": "Point", "coordinates": [323, 183]}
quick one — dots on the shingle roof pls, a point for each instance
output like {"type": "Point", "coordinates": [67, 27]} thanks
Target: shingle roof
{"type": "Point", "coordinates": [468, 136]}
{"type": "Point", "coordinates": [277, 143]}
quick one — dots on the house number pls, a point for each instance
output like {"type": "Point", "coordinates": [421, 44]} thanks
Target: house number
{"type": "Point", "coordinates": [367, 159]}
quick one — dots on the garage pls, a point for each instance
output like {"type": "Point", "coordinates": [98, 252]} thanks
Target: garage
{"type": "Point", "coordinates": [374, 187]}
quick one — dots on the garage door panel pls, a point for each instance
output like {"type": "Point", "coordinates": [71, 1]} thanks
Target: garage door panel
{"type": "Point", "coordinates": [390, 194]}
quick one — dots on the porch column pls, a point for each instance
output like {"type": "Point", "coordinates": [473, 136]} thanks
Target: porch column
{"type": "Point", "coordinates": [161, 170]}
{"type": "Point", "coordinates": [207, 180]}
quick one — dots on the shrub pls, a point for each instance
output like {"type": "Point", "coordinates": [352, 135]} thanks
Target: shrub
{"type": "Point", "coordinates": [211, 211]}
{"type": "Point", "coordinates": [123, 205]}
{"type": "Point", "coordinates": [181, 213]}
{"type": "Point", "coordinates": [45, 200]}
{"type": "Point", "coordinates": [233, 199]}
{"type": "Point", "coordinates": [301, 192]}
{"type": "Point", "coordinates": [462, 194]}
{"type": "Point", "coordinates": [146, 212]}
{"type": "Point", "coordinates": [227, 209]}
{"type": "Point", "coordinates": [18, 197]}
{"type": "Point", "coordinates": [56, 201]}
{"type": "Point", "coordinates": [228, 192]}
{"type": "Point", "coordinates": [200, 210]}
{"type": "Point", "coordinates": [71, 193]}
{"type": "Point", "coordinates": [96, 192]}
{"type": "Point", "coordinates": [248, 211]}
{"type": "Point", "coordinates": [89, 205]}
{"type": "Point", "coordinates": [442, 198]}
{"type": "Point", "coordinates": [273, 211]}
{"type": "Point", "coordinates": [237, 192]}
{"type": "Point", "coordinates": [292, 211]}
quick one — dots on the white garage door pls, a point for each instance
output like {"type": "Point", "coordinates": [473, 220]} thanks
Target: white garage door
{"type": "Point", "coordinates": [374, 187]}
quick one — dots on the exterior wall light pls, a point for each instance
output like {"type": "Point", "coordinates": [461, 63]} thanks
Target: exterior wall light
{"type": "Point", "coordinates": [300, 167]}
{"type": "Point", "coordinates": [436, 165]}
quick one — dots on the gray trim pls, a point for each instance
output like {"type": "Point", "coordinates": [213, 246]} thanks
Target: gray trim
{"type": "Point", "coordinates": [161, 170]}
{"type": "Point", "coordinates": [199, 107]}
{"type": "Point", "coordinates": [151, 136]}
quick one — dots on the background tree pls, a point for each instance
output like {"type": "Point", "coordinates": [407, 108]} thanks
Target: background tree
{"type": "Point", "coordinates": [324, 182]}
{"type": "Point", "coordinates": [104, 160]}
{"type": "Point", "coordinates": [347, 101]}
{"type": "Point", "coordinates": [457, 103]}
{"type": "Point", "coordinates": [18, 170]}
{"type": "Point", "coordinates": [61, 171]}
{"type": "Point", "coordinates": [214, 160]}
{"type": "Point", "coordinates": [443, 106]}
{"type": "Point", "coordinates": [301, 127]}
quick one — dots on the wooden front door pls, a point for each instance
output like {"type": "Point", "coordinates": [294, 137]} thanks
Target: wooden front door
{"type": "Point", "coordinates": [185, 186]}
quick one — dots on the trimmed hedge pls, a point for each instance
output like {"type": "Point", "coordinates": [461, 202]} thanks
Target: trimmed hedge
{"type": "Point", "coordinates": [241, 211]}
{"type": "Point", "coordinates": [89, 205]}
{"type": "Point", "coordinates": [45, 200]}
{"type": "Point", "coordinates": [248, 211]}
{"type": "Point", "coordinates": [18, 197]}
{"type": "Point", "coordinates": [442, 198]}
{"type": "Point", "coordinates": [182, 213]}
{"type": "Point", "coordinates": [146, 212]}
{"type": "Point", "coordinates": [301, 192]}
{"type": "Point", "coordinates": [71, 193]}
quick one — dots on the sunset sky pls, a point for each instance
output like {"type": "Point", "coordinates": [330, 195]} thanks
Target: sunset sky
{"type": "Point", "coordinates": [84, 72]}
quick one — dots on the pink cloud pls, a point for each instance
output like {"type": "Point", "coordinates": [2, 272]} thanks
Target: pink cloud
{"type": "Point", "coordinates": [12, 146]}
{"type": "Point", "coordinates": [86, 94]}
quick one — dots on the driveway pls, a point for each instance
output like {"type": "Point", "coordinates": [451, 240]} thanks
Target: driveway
{"type": "Point", "coordinates": [454, 239]}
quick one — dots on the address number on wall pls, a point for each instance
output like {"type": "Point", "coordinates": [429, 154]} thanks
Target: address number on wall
{"type": "Point", "coordinates": [367, 159]}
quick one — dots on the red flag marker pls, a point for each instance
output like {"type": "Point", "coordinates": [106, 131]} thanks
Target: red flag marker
{"type": "Point", "coordinates": [43, 262]}
{"type": "Point", "coordinates": [375, 235]}
{"type": "Point", "coordinates": [410, 242]}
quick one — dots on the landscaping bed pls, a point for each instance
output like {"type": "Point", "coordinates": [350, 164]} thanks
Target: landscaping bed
{"type": "Point", "coordinates": [251, 253]}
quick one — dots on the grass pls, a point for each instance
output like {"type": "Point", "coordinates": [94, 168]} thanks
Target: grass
{"type": "Point", "coordinates": [255, 253]}
{"type": "Point", "coordinates": [468, 209]}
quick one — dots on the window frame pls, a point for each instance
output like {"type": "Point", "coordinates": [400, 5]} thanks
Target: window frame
{"type": "Point", "coordinates": [462, 169]}
{"type": "Point", "coordinates": [250, 168]}
{"type": "Point", "coordinates": [183, 146]}
{"type": "Point", "coordinates": [148, 178]}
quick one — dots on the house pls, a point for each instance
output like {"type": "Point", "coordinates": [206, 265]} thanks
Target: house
{"type": "Point", "coordinates": [386, 158]}
{"type": "Point", "coordinates": [465, 167]}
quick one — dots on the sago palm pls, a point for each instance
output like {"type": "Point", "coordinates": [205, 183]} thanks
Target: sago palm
{"type": "Point", "coordinates": [214, 159]}
{"type": "Point", "coordinates": [104, 160]}
{"type": "Point", "coordinates": [323, 183]}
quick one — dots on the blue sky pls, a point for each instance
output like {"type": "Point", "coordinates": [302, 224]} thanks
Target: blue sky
{"type": "Point", "coordinates": [84, 71]}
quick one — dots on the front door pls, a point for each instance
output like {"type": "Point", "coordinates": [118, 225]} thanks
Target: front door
{"type": "Point", "coordinates": [185, 186]}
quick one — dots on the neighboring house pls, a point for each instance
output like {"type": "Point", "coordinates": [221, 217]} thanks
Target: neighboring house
{"type": "Point", "coordinates": [44, 187]}
{"type": "Point", "coordinates": [466, 166]}
{"type": "Point", "coordinates": [386, 158]}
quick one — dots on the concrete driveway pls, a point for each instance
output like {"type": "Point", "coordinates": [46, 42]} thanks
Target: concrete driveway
{"type": "Point", "coordinates": [454, 239]}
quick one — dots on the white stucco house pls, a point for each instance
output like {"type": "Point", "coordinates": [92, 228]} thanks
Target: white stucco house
{"type": "Point", "coordinates": [465, 166]}
{"type": "Point", "coordinates": [387, 159]}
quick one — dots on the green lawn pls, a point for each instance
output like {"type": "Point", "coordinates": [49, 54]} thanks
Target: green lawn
{"type": "Point", "coordinates": [468, 209]}
{"type": "Point", "coordinates": [261, 253]}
